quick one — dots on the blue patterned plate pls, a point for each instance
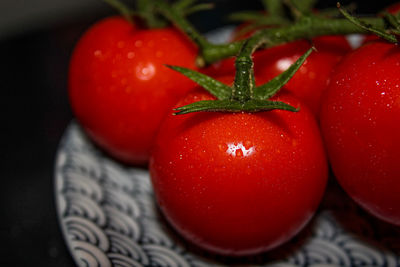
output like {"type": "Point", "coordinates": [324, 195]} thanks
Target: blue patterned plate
{"type": "Point", "coordinates": [109, 217]}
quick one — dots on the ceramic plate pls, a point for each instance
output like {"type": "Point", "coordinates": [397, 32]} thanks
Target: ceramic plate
{"type": "Point", "coordinates": [109, 217]}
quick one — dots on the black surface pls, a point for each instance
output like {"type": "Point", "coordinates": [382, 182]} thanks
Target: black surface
{"type": "Point", "coordinates": [35, 113]}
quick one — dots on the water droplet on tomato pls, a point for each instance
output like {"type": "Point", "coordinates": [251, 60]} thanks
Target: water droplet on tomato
{"type": "Point", "coordinates": [98, 53]}
{"type": "Point", "coordinates": [130, 55]}
{"type": "Point", "coordinates": [145, 71]}
{"type": "Point", "coordinates": [138, 43]}
{"type": "Point", "coordinates": [284, 64]}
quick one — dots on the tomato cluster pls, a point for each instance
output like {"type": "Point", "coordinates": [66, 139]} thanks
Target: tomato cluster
{"type": "Point", "coordinates": [243, 183]}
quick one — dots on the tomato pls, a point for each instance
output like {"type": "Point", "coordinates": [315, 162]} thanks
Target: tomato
{"type": "Point", "coordinates": [238, 183]}
{"type": "Point", "coordinates": [120, 88]}
{"type": "Point", "coordinates": [313, 76]}
{"type": "Point", "coordinates": [393, 8]}
{"type": "Point", "coordinates": [360, 124]}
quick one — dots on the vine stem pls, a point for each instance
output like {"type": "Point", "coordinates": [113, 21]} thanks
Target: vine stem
{"type": "Point", "coordinates": [178, 19]}
{"type": "Point", "coordinates": [244, 77]}
{"type": "Point", "coordinates": [123, 9]}
{"type": "Point", "coordinates": [305, 28]}
{"type": "Point", "coordinates": [274, 7]}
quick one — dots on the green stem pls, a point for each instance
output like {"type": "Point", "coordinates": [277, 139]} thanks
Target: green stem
{"type": "Point", "coordinates": [243, 88]}
{"type": "Point", "coordinates": [244, 79]}
{"type": "Point", "coordinates": [300, 7]}
{"type": "Point", "coordinates": [306, 28]}
{"type": "Point", "coordinates": [123, 9]}
{"type": "Point", "coordinates": [146, 11]}
{"type": "Point", "coordinates": [182, 23]}
{"type": "Point", "coordinates": [274, 7]}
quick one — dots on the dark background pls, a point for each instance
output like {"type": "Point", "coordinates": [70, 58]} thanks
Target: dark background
{"type": "Point", "coordinates": [35, 44]}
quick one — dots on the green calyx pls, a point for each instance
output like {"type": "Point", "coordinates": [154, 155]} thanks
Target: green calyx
{"type": "Point", "coordinates": [243, 96]}
{"type": "Point", "coordinates": [233, 106]}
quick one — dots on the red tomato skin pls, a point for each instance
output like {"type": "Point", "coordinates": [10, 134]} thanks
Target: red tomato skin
{"type": "Point", "coordinates": [360, 124]}
{"type": "Point", "coordinates": [238, 183]}
{"type": "Point", "coordinates": [120, 88]}
{"type": "Point", "coordinates": [313, 76]}
{"type": "Point", "coordinates": [393, 8]}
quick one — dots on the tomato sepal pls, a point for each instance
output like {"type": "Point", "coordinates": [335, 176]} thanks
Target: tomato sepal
{"type": "Point", "coordinates": [256, 102]}
{"type": "Point", "coordinates": [214, 87]}
{"type": "Point", "coordinates": [270, 88]}
{"type": "Point", "coordinates": [233, 106]}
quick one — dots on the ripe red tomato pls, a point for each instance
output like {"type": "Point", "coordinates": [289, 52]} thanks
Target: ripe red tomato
{"type": "Point", "coordinates": [393, 8]}
{"type": "Point", "coordinates": [360, 123]}
{"type": "Point", "coordinates": [238, 183]}
{"type": "Point", "coordinates": [310, 80]}
{"type": "Point", "coordinates": [120, 88]}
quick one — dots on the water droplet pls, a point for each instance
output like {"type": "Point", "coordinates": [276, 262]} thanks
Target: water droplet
{"type": "Point", "coordinates": [98, 53]}
{"type": "Point", "coordinates": [145, 71]}
{"type": "Point", "coordinates": [138, 43]}
{"type": "Point", "coordinates": [284, 64]}
{"type": "Point", "coordinates": [130, 55]}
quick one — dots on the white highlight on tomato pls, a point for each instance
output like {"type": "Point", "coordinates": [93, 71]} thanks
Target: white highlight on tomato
{"type": "Point", "coordinates": [233, 150]}
{"type": "Point", "coordinates": [145, 71]}
{"type": "Point", "coordinates": [284, 64]}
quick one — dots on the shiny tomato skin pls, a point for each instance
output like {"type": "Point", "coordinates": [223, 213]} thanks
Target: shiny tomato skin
{"type": "Point", "coordinates": [360, 124]}
{"type": "Point", "coordinates": [313, 76]}
{"type": "Point", "coordinates": [238, 183]}
{"type": "Point", "coordinates": [120, 88]}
